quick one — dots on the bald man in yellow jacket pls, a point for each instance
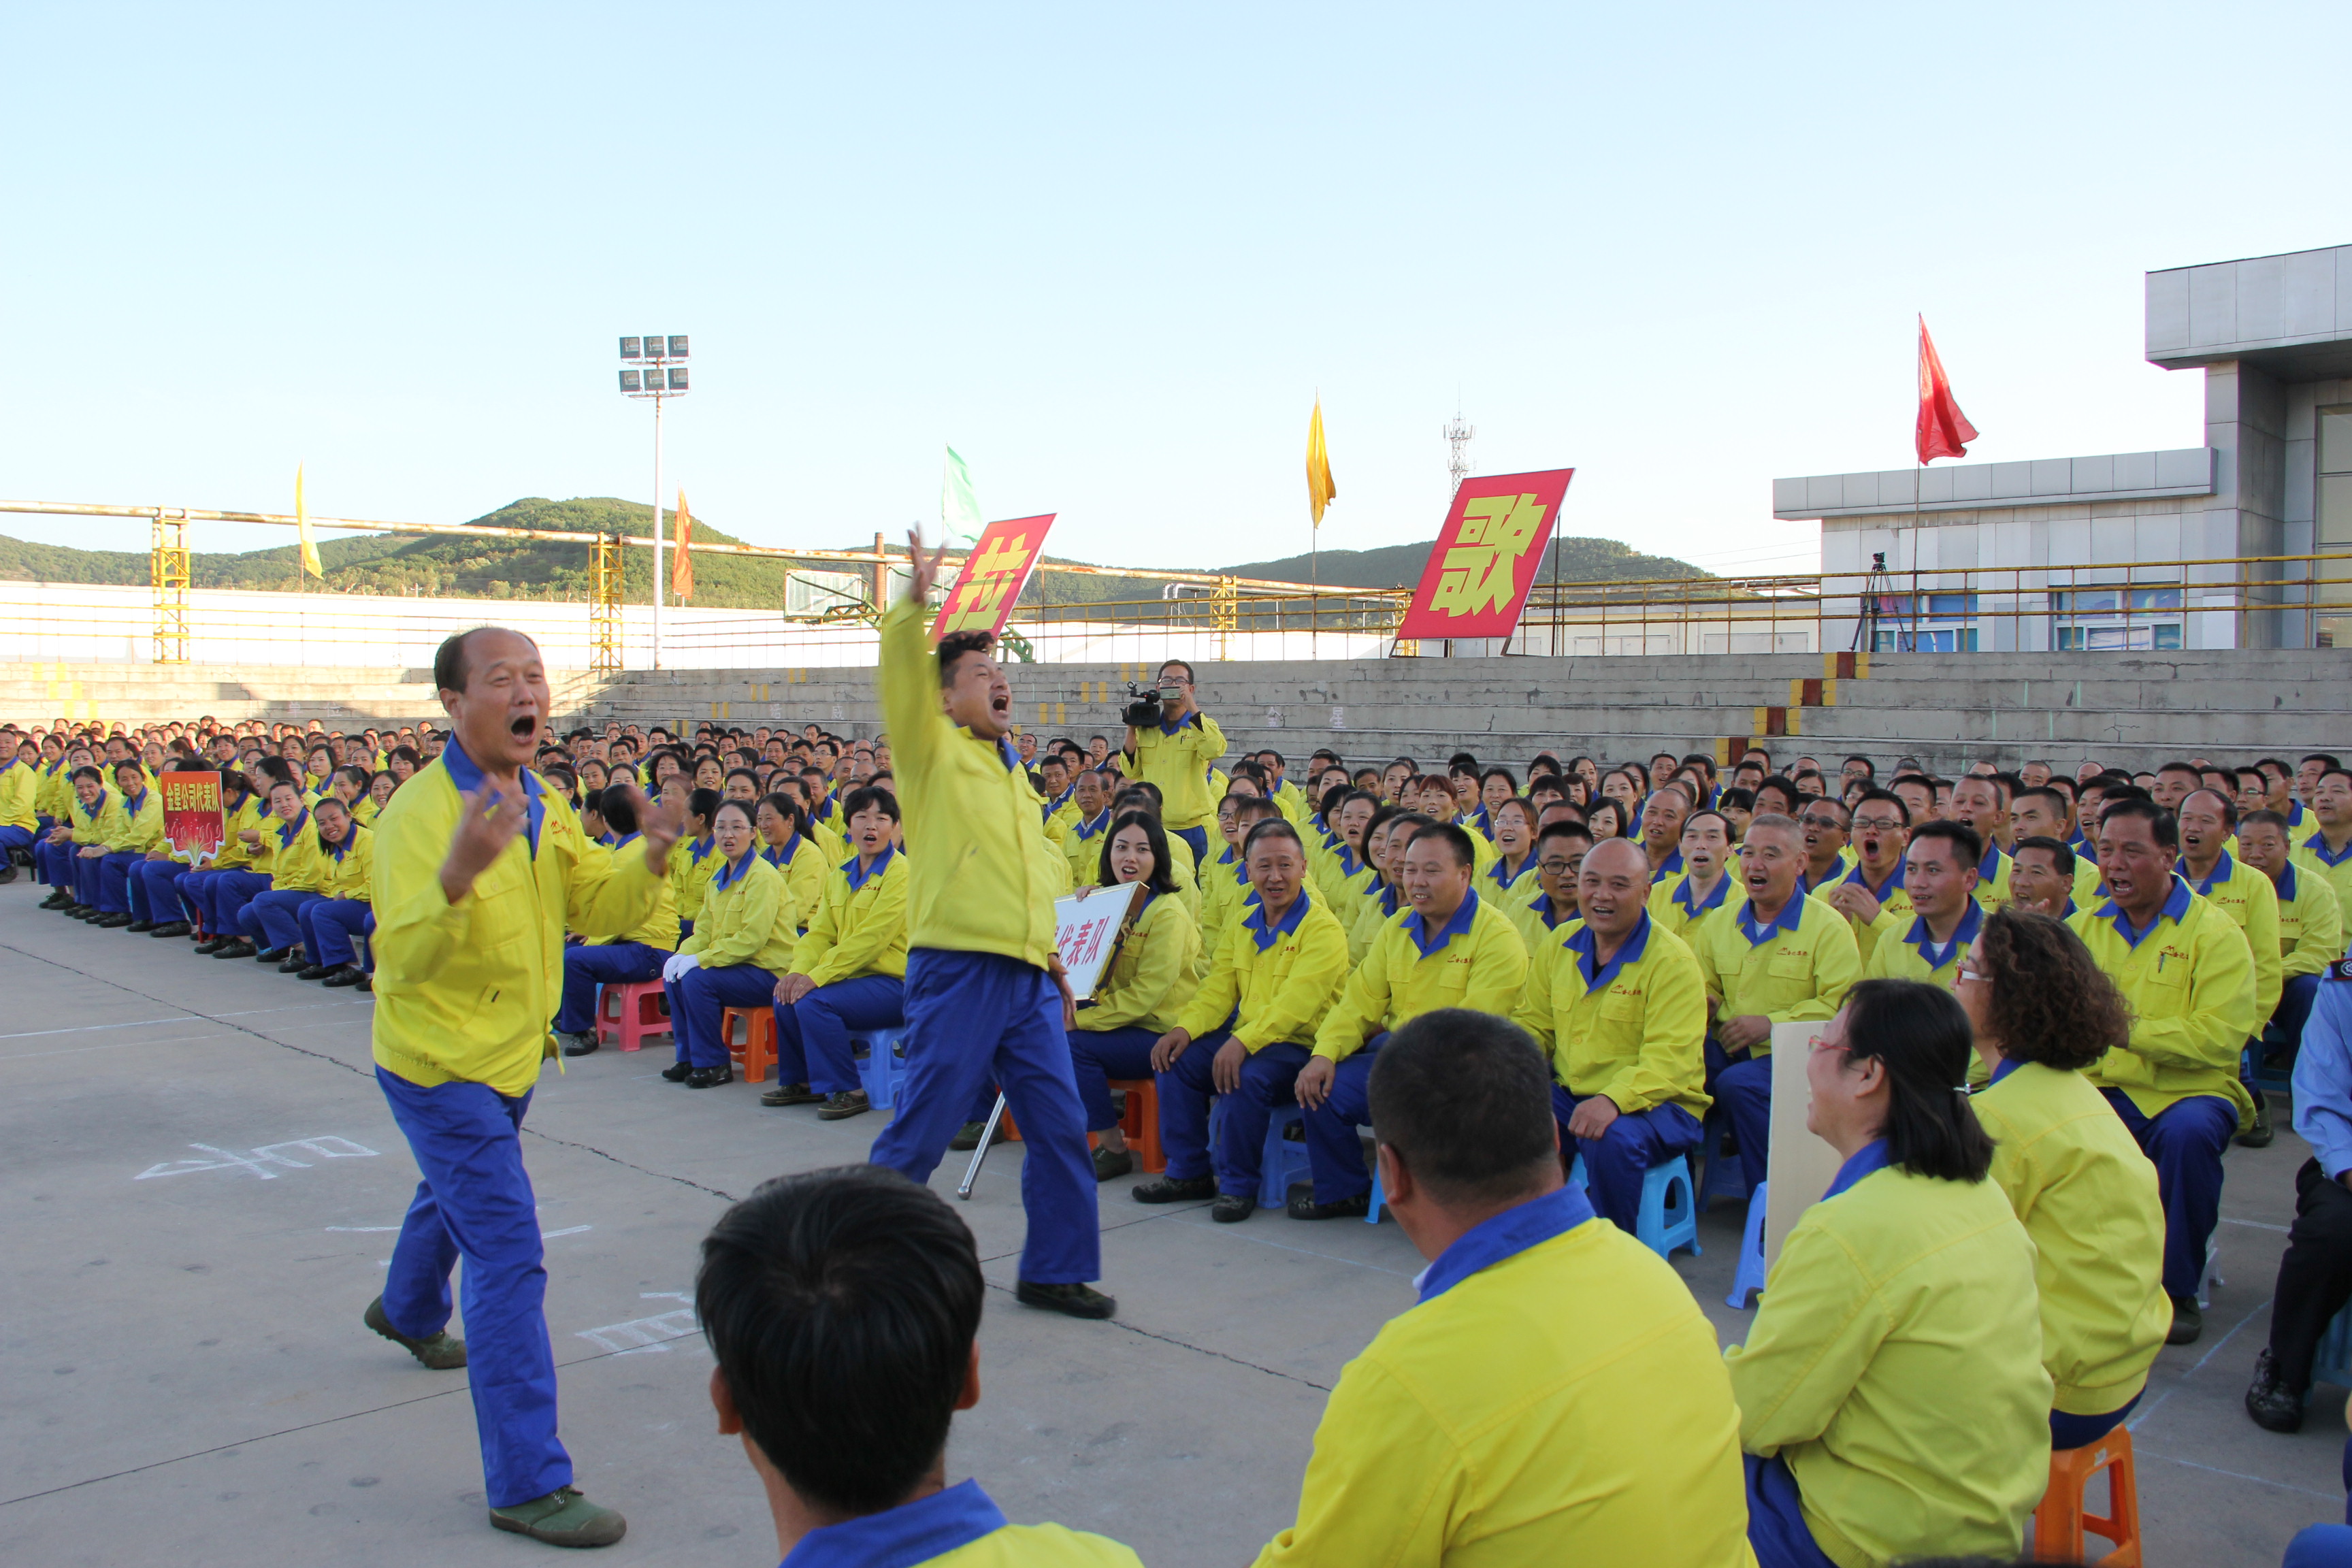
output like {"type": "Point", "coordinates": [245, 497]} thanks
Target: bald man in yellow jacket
{"type": "Point", "coordinates": [480, 867]}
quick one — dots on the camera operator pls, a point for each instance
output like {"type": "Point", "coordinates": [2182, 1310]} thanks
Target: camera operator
{"type": "Point", "coordinates": [1170, 744]}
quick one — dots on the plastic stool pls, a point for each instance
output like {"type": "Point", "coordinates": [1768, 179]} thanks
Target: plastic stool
{"type": "Point", "coordinates": [632, 1012]}
{"type": "Point", "coordinates": [2275, 1080]}
{"type": "Point", "coordinates": [1749, 1275]}
{"type": "Point", "coordinates": [1662, 1226]}
{"type": "Point", "coordinates": [2060, 1524]}
{"type": "Point", "coordinates": [757, 1054]}
{"type": "Point", "coordinates": [1724, 1177]}
{"type": "Point", "coordinates": [1379, 1198]}
{"type": "Point", "coordinates": [1141, 1122]}
{"type": "Point", "coordinates": [881, 1067]}
{"type": "Point", "coordinates": [1282, 1161]}
{"type": "Point", "coordinates": [2333, 1363]}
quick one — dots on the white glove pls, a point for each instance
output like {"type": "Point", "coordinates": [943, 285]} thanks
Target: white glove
{"type": "Point", "coordinates": [679, 963]}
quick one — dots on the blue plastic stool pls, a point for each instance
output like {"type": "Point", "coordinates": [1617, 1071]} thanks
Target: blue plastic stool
{"type": "Point", "coordinates": [1282, 1161]}
{"type": "Point", "coordinates": [2333, 1364]}
{"type": "Point", "coordinates": [1749, 1275]}
{"type": "Point", "coordinates": [2270, 1080]}
{"type": "Point", "coordinates": [1663, 1224]}
{"type": "Point", "coordinates": [1723, 1177]}
{"type": "Point", "coordinates": [882, 1068]}
{"type": "Point", "coordinates": [1379, 1198]}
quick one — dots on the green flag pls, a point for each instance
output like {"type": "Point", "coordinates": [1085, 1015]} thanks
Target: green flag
{"type": "Point", "coordinates": [959, 506]}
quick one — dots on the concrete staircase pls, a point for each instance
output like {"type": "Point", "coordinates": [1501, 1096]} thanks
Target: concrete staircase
{"type": "Point", "coordinates": [43, 691]}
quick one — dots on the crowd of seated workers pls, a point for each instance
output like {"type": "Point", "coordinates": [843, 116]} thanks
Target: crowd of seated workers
{"type": "Point", "coordinates": [2038, 1002]}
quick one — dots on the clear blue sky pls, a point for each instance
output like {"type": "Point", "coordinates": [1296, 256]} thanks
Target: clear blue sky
{"type": "Point", "coordinates": [1111, 253]}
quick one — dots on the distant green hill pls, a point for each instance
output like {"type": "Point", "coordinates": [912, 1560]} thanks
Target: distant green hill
{"type": "Point", "coordinates": [432, 565]}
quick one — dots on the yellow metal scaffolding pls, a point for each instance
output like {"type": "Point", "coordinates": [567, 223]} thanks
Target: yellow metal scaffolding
{"type": "Point", "coordinates": [168, 572]}
{"type": "Point", "coordinates": [604, 606]}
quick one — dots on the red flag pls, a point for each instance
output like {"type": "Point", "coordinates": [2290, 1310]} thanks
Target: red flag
{"type": "Point", "coordinates": [1944, 431]}
{"type": "Point", "coordinates": [681, 564]}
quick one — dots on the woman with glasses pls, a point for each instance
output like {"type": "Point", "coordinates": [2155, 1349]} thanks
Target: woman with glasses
{"type": "Point", "coordinates": [1892, 1398]}
{"type": "Point", "coordinates": [2043, 1013]}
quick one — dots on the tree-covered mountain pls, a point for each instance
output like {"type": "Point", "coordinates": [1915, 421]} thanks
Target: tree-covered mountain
{"type": "Point", "coordinates": [1400, 565]}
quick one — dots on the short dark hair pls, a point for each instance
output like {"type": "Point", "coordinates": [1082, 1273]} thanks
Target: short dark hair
{"type": "Point", "coordinates": [868, 797]}
{"type": "Point", "coordinates": [955, 644]}
{"type": "Point", "coordinates": [2266, 818]}
{"type": "Point", "coordinates": [1154, 835]}
{"type": "Point", "coordinates": [1919, 1033]}
{"type": "Point", "coordinates": [704, 804]}
{"type": "Point", "coordinates": [2326, 758]}
{"type": "Point", "coordinates": [1166, 665]}
{"type": "Point", "coordinates": [1566, 828]}
{"type": "Point", "coordinates": [1960, 835]}
{"type": "Point", "coordinates": [2229, 807]}
{"type": "Point", "coordinates": [2062, 855]}
{"type": "Point", "coordinates": [842, 1305]}
{"type": "Point", "coordinates": [1886, 796]}
{"type": "Point", "coordinates": [2162, 826]}
{"type": "Point", "coordinates": [618, 810]}
{"type": "Point", "coordinates": [2048, 1000]}
{"type": "Point", "coordinates": [1464, 1100]}
{"type": "Point", "coordinates": [1275, 827]}
{"type": "Point", "coordinates": [1455, 839]}
{"type": "Point", "coordinates": [449, 671]}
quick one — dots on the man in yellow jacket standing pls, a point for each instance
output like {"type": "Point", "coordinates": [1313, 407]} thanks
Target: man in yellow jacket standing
{"type": "Point", "coordinates": [478, 869]}
{"type": "Point", "coordinates": [985, 998]}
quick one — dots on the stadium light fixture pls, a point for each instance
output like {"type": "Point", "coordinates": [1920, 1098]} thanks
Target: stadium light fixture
{"type": "Point", "coordinates": [655, 377]}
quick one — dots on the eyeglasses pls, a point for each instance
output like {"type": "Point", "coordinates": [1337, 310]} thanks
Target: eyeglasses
{"type": "Point", "coordinates": [1882, 824]}
{"type": "Point", "coordinates": [1964, 972]}
{"type": "Point", "coordinates": [1828, 824]}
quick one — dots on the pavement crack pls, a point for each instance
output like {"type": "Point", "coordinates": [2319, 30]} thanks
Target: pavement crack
{"type": "Point", "coordinates": [629, 1165]}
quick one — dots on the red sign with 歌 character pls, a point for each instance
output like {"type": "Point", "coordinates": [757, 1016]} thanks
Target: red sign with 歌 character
{"type": "Point", "coordinates": [992, 575]}
{"type": "Point", "coordinates": [193, 823]}
{"type": "Point", "coordinates": [1484, 563]}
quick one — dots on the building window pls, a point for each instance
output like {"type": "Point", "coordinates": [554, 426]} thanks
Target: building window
{"type": "Point", "coordinates": [2332, 528]}
{"type": "Point", "coordinates": [2116, 619]}
{"type": "Point", "coordinates": [1923, 639]}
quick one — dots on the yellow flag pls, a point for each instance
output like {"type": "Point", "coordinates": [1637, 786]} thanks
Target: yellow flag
{"type": "Point", "coordinates": [681, 564]}
{"type": "Point", "coordinates": [1320, 490]}
{"type": "Point", "coordinates": [303, 531]}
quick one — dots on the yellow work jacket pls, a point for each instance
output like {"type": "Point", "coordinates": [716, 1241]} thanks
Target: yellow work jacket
{"type": "Point", "coordinates": [1895, 1364]}
{"type": "Point", "coordinates": [297, 861]}
{"type": "Point", "coordinates": [803, 868]}
{"type": "Point", "coordinates": [1274, 983]}
{"type": "Point", "coordinates": [1223, 888]}
{"type": "Point", "coordinates": [2087, 1196]}
{"type": "Point", "coordinates": [350, 865]}
{"type": "Point", "coordinates": [94, 826]}
{"type": "Point", "coordinates": [1554, 1398]}
{"type": "Point", "coordinates": [2336, 871]}
{"type": "Point", "coordinates": [364, 811]}
{"type": "Point", "coordinates": [746, 918]}
{"type": "Point", "coordinates": [1992, 880]}
{"type": "Point", "coordinates": [1894, 910]}
{"type": "Point", "coordinates": [1154, 972]}
{"type": "Point", "coordinates": [860, 925]}
{"type": "Point", "coordinates": [53, 790]}
{"type": "Point", "coordinates": [1495, 884]}
{"type": "Point", "coordinates": [659, 927]}
{"type": "Point", "coordinates": [1675, 909]}
{"type": "Point", "coordinates": [2189, 982]}
{"type": "Point", "coordinates": [2246, 895]}
{"type": "Point", "coordinates": [20, 788]}
{"type": "Point", "coordinates": [249, 810]}
{"type": "Point", "coordinates": [1633, 1029]}
{"type": "Point", "coordinates": [1176, 758]}
{"type": "Point", "coordinates": [1343, 884]}
{"type": "Point", "coordinates": [1476, 960]}
{"type": "Point", "coordinates": [1082, 845]}
{"type": "Point", "coordinates": [1532, 914]}
{"type": "Point", "coordinates": [984, 880]}
{"type": "Point", "coordinates": [138, 825]}
{"type": "Point", "coordinates": [464, 990]}
{"type": "Point", "coordinates": [692, 863]}
{"type": "Point", "coordinates": [1912, 954]}
{"type": "Point", "coordinates": [1798, 967]}
{"type": "Point", "coordinates": [2311, 924]}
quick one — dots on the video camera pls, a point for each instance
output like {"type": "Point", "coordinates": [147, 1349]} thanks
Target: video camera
{"type": "Point", "coordinates": [1146, 710]}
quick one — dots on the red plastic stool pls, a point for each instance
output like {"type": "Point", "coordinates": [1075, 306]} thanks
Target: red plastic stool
{"type": "Point", "coordinates": [631, 1012]}
{"type": "Point", "coordinates": [2060, 1522]}
{"type": "Point", "coordinates": [757, 1051]}
{"type": "Point", "coordinates": [1141, 1121]}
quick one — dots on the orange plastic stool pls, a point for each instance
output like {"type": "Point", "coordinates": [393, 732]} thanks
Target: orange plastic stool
{"type": "Point", "coordinates": [2060, 1524]}
{"type": "Point", "coordinates": [1141, 1121]}
{"type": "Point", "coordinates": [632, 1012]}
{"type": "Point", "coordinates": [756, 1053]}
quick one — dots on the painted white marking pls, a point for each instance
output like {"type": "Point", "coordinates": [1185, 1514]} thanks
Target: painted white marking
{"type": "Point", "coordinates": [326, 1146]}
{"type": "Point", "coordinates": [2256, 1224]}
{"type": "Point", "coordinates": [575, 1230]}
{"type": "Point", "coordinates": [643, 1334]}
{"type": "Point", "coordinates": [92, 1028]}
{"type": "Point", "coordinates": [364, 1229]}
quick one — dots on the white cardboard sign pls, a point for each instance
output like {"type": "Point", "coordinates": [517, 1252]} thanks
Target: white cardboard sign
{"type": "Point", "coordinates": [1085, 931]}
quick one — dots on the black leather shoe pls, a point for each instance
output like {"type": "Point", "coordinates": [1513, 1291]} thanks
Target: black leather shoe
{"type": "Point", "coordinates": [82, 911]}
{"type": "Point", "coordinates": [312, 972]}
{"type": "Point", "coordinates": [348, 974]}
{"type": "Point", "coordinates": [2260, 1134]}
{"type": "Point", "coordinates": [676, 1071]}
{"type": "Point", "coordinates": [843, 1104]}
{"type": "Point", "coordinates": [1076, 1300]}
{"type": "Point", "coordinates": [1231, 1208]}
{"type": "Point", "coordinates": [210, 945]}
{"type": "Point", "coordinates": [115, 921]}
{"type": "Point", "coordinates": [578, 1043]}
{"type": "Point", "coordinates": [366, 982]}
{"type": "Point", "coordinates": [272, 954]}
{"type": "Point", "coordinates": [55, 901]}
{"type": "Point", "coordinates": [709, 1077]}
{"type": "Point", "coordinates": [2268, 1402]}
{"type": "Point", "coordinates": [965, 1142]}
{"type": "Point", "coordinates": [177, 928]}
{"type": "Point", "coordinates": [2188, 1322]}
{"type": "Point", "coordinates": [1112, 1164]}
{"type": "Point", "coordinates": [792, 1094]}
{"type": "Point", "coordinates": [241, 948]}
{"type": "Point", "coordinates": [141, 928]}
{"type": "Point", "coordinates": [1168, 1190]}
{"type": "Point", "coordinates": [1302, 1206]}
{"type": "Point", "coordinates": [295, 964]}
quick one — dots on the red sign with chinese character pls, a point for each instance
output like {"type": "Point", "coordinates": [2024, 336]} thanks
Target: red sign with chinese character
{"type": "Point", "coordinates": [1484, 563]}
{"type": "Point", "coordinates": [193, 824]}
{"type": "Point", "coordinates": [992, 574]}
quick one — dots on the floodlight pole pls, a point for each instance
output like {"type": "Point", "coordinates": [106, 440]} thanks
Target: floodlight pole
{"type": "Point", "coordinates": [657, 531]}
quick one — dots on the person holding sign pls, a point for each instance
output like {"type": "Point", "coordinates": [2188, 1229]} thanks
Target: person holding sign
{"type": "Point", "coordinates": [1150, 976]}
{"type": "Point", "coordinates": [1892, 1398]}
{"type": "Point", "coordinates": [848, 972]}
{"type": "Point", "coordinates": [986, 994]}
{"type": "Point", "coordinates": [479, 869]}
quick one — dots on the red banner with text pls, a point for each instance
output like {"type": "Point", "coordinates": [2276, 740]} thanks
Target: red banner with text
{"type": "Point", "coordinates": [986, 589]}
{"type": "Point", "coordinates": [193, 823]}
{"type": "Point", "coordinates": [1486, 556]}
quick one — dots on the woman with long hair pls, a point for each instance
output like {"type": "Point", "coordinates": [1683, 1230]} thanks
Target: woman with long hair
{"type": "Point", "coordinates": [2043, 1013]}
{"type": "Point", "coordinates": [1150, 977]}
{"type": "Point", "coordinates": [1892, 1398]}
{"type": "Point", "coordinates": [741, 945]}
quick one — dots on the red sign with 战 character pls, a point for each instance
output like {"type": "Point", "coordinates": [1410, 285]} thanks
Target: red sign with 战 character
{"type": "Point", "coordinates": [1486, 556]}
{"type": "Point", "coordinates": [193, 823]}
{"type": "Point", "coordinates": [992, 576]}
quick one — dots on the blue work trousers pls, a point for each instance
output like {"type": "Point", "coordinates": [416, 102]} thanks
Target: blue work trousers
{"type": "Point", "coordinates": [698, 1001]}
{"type": "Point", "coordinates": [1185, 1091]}
{"type": "Point", "coordinates": [85, 869]}
{"type": "Point", "coordinates": [223, 895]}
{"type": "Point", "coordinates": [278, 912]}
{"type": "Point", "coordinates": [2185, 1140]}
{"type": "Point", "coordinates": [1197, 839]}
{"type": "Point", "coordinates": [813, 1033]}
{"type": "Point", "coordinates": [1743, 1087]}
{"type": "Point", "coordinates": [1098, 1056]}
{"type": "Point", "coordinates": [50, 864]}
{"type": "Point", "coordinates": [475, 1200]}
{"type": "Point", "coordinates": [328, 928]}
{"type": "Point", "coordinates": [155, 890]}
{"type": "Point", "coordinates": [588, 966]}
{"type": "Point", "coordinates": [13, 839]}
{"type": "Point", "coordinates": [972, 1017]}
{"type": "Point", "coordinates": [2282, 1035]}
{"type": "Point", "coordinates": [1335, 1154]}
{"type": "Point", "coordinates": [2072, 1431]}
{"type": "Point", "coordinates": [114, 874]}
{"type": "Point", "coordinates": [1617, 1162]}
{"type": "Point", "coordinates": [1776, 1517]}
